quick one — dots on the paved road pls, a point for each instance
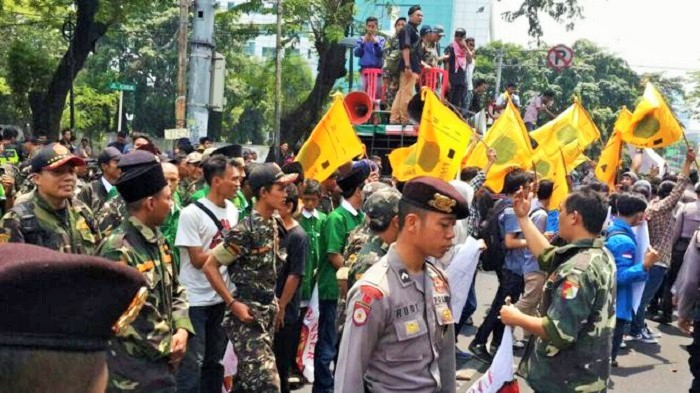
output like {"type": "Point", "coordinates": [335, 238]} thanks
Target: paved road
{"type": "Point", "coordinates": [648, 368]}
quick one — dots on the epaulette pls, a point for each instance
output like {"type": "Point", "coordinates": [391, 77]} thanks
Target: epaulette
{"type": "Point", "coordinates": [377, 272]}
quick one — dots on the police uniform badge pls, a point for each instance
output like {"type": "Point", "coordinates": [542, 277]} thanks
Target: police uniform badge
{"type": "Point", "coordinates": [442, 203]}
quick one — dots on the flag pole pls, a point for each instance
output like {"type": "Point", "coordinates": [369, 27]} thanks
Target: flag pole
{"type": "Point", "coordinates": [687, 145]}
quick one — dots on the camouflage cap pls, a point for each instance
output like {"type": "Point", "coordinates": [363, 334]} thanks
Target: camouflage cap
{"type": "Point", "coordinates": [382, 206]}
{"type": "Point", "coordinates": [371, 188]}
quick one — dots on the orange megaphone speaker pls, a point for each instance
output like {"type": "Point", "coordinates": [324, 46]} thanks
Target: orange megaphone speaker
{"type": "Point", "coordinates": [359, 106]}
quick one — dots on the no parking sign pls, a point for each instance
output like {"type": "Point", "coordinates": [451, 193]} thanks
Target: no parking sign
{"type": "Point", "coordinates": [560, 57]}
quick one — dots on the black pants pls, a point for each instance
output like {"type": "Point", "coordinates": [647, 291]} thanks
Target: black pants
{"type": "Point", "coordinates": [676, 263]}
{"type": "Point", "coordinates": [456, 97]}
{"type": "Point", "coordinates": [694, 360]}
{"type": "Point", "coordinates": [202, 369]}
{"type": "Point", "coordinates": [285, 348]}
{"type": "Point", "coordinates": [510, 285]}
{"type": "Point", "coordinates": [621, 327]}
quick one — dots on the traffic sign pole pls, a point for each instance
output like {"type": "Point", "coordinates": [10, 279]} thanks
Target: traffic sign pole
{"type": "Point", "coordinates": [121, 105]}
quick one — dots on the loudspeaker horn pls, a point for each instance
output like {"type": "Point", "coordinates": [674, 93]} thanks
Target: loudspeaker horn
{"type": "Point", "coordinates": [359, 106]}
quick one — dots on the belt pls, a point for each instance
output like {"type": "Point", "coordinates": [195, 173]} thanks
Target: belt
{"type": "Point", "coordinates": [254, 294]}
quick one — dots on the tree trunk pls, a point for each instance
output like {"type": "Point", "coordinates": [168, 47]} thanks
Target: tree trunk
{"type": "Point", "coordinates": [301, 121]}
{"type": "Point", "coordinates": [47, 106]}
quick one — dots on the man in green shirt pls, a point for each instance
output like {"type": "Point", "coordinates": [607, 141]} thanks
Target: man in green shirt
{"type": "Point", "coordinates": [312, 220]}
{"type": "Point", "coordinates": [333, 240]}
{"type": "Point", "coordinates": [169, 227]}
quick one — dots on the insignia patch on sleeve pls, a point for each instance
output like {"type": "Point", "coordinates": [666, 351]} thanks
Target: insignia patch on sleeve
{"type": "Point", "coordinates": [360, 313]}
{"type": "Point", "coordinates": [569, 290]}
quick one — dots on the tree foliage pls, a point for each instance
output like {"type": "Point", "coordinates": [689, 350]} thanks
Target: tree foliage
{"type": "Point", "coordinates": [602, 81]}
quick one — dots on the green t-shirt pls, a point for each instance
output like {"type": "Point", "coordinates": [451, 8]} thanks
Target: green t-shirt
{"type": "Point", "coordinates": [334, 237]}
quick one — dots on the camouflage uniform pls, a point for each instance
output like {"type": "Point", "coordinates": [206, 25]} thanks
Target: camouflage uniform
{"type": "Point", "coordinates": [138, 358]}
{"type": "Point", "coordinates": [33, 221]}
{"type": "Point", "coordinates": [578, 305]}
{"type": "Point", "coordinates": [368, 256]}
{"type": "Point", "coordinates": [94, 194]}
{"type": "Point", "coordinates": [429, 54]}
{"type": "Point", "coordinates": [253, 270]}
{"type": "Point", "coordinates": [190, 189]}
{"type": "Point", "coordinates": [391, 75]}
{"type": "Point", "coordinates": [111, 215]}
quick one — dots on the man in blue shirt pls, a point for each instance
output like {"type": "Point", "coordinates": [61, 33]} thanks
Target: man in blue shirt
{"type": "Point", "coordinates": [621, 242]}
{"type": "Point", "coordinates": [369, 48]}
{"type": "Point", "coordinates": [511, 276]}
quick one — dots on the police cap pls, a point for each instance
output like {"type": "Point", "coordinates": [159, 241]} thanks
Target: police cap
{"type": "Point", "coordinates": [433, 194]}
{"type": "Point", "coordinates": [65, 302]}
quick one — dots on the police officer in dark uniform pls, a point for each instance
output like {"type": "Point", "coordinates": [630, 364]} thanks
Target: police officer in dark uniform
{"type": "Point", "coordinates": [399, 331]}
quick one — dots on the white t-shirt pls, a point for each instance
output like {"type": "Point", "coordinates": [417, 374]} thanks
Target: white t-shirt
{"type": "Point", "coordinates": [196, 229]}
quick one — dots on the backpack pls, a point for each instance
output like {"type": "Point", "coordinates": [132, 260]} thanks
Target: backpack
{"type": "Point", "coordinates": [489, 230]}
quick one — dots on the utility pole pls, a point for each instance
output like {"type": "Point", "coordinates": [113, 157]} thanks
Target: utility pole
{"type": "Point", "coordinates": [182, 65]}
{"type": "Point", "coordinates": [199, 78]}
{"type": "Point", "coordinates": [278, 83]}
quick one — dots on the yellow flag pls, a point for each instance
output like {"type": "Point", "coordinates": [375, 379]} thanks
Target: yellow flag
{"type": "Point", "coordinates": [442, 142]}
{"type": "Point", "coordinates": [609, 161]}
{"type": "Point", "coordinates": [561, 184]}
{"type": "Point", "coordinates": [509, 137]}
{"type": "Point", "coordinates": [545, 165]}
{"type": "Point", "coordinates": [652, 124]}
{"type": "Point", "coordinates": [571, 131]}
{"type": "Point", "coordinates": [398, 157]}
{"type": "Point", "coordinates": [331, 144]}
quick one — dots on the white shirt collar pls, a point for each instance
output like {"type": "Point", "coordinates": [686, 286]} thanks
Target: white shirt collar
{"type": "Point", "coordinates": [108, 185]}
{"type": "Point", "coordinates": [309, 214]}
{"type": "Point", "coordinates": [347, 206]}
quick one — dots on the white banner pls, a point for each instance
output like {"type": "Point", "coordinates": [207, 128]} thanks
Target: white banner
{"type": "Point", "coordinates": [501, 370]}
{"type": "Point", "coordinates": [309, 336]}
{"type": "Point", "coordinates": [460, 273]}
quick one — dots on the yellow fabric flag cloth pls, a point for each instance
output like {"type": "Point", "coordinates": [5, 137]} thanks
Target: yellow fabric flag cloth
{"type": "Point", "coordinates": [652, 124]}
{"type": "Point", "coordinates": [442, 142]}
{"type": "Point", "coordinates": [609, 161]}
{"type": "Point", "coordinates": [561, 184]}
{"type": "Point", "coordinates": [509, 137]}
{"type": "Point", "coordinates": [572, 130]}
{"type": "Point", "coordinates": [331, 144]}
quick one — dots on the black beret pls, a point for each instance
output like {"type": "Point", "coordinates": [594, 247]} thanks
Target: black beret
{"type": "Point", "coordinates": [142, 176]}
{"type": "Point", "coordinates": [353, 179]}
{"type": "Point", "coordinates": [433, 194]}
{"type": "Point", "coordinates": [64, 302]}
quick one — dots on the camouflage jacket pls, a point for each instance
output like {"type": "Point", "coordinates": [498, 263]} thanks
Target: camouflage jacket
{"type": "Point", "coordinates": [189, 188]}
{"type": "Point", "coordinates": [111, 215]}
{"type": "Point", "coordinates": [251, 252]}
{"type": "Point", "coordinates": [370, 253]}
{"type": "Point", "coordinates": [357, 238]}
{"type": "Point", "coordinates": [33, 221]}
{"type": "Point", "coordinates": [166, 308]}
{"type": "Point", "coordinates": [578, 306]}
{"type": "Point", "coordinates": [94, 195]}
